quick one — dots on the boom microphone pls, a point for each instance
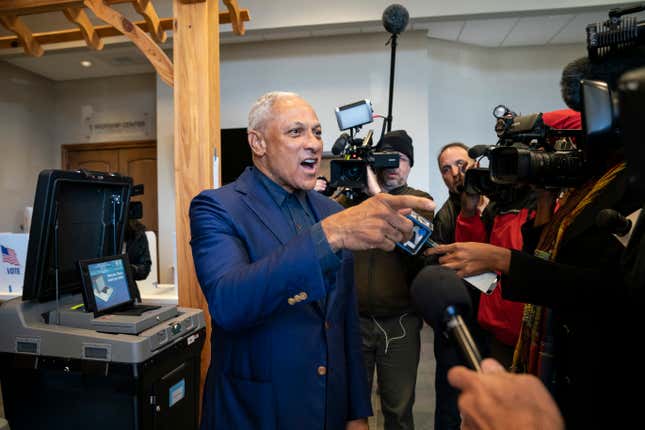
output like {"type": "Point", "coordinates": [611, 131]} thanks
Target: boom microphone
{"type": "Point", "coordinates": [395, 18]}
{"type": "Point", "coordinates": [441, 297]}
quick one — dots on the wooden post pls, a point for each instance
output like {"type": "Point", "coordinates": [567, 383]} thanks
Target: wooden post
{"type": "Point", "coordinates": [197, 133]}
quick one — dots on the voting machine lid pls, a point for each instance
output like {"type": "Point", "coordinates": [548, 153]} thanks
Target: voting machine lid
{"type": "Point", "coordinates": [78, 215]}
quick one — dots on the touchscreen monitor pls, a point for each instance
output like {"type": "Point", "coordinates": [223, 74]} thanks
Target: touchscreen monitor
{"type": "Point", "coordinates": [107, 284]}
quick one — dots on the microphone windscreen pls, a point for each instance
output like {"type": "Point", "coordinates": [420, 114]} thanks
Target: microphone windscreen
{"type": "Point", "coordinates": [395, 18]}
{"type": "Point", "coordinates": [477, 151]}
{"type": "Point", "coordinates": [434, 289]}
{"type": "Point", "coordinates": [340, 144]}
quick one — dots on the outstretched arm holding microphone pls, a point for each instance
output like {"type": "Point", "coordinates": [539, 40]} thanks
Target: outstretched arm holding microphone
{"type": "Point", "coordinates": [497, 399]}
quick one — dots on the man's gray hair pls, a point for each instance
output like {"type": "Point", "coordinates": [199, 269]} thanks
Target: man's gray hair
{"type": "Point", "coordinates": [261, 109]}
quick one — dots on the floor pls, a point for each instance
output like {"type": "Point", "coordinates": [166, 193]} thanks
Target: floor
{"type": "Point", "coordinates": [424, 403]}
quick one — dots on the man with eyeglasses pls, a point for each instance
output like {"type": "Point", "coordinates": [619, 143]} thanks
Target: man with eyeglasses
{"type": "Point", "coordinates": [389, 328]}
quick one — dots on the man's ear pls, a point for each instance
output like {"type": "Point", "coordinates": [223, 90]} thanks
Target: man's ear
{"type": "Point", "coordinates": [257, 143]}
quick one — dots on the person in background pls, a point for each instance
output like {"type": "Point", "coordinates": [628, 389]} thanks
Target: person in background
{"type": "Point", "coordinates": [323, 187]}
{"type": "Point", "coordinates": [137, 249]}
{"type": "Point", "coordinates": [390, 330]}
{"type": "Point", "coordinates": [273, 260]}
{"type": "Point", "coordinates": [453, 161]}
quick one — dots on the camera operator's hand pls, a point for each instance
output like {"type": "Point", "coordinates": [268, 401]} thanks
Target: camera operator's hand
{"type": "Point", "coordinates": [373, 187]}
{"type": "Point", "coordinates": [469, 204]}
{"type": "Point", "coordinates": [378, 222]}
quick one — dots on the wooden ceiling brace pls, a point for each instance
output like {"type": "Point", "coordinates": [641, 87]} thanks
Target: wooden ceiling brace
{"type": "Point", "coordinates": [146, 45]}
{"type": "Point", "coordinates": [15, 25]}
{"type": "Point", "coordinates": [78, 16]}
{"type": "Point", "coordinates": [236, 19]}
{"type": "Point", "coordinates": [145, 9]}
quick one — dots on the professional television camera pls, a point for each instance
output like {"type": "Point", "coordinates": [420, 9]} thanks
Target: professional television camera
{"type": "Point", "coordinates": [530, 152]}
{"type": "Point", "coordinates": [350, 171]}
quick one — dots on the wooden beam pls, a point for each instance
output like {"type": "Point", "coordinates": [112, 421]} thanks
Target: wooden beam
{"type": "Point", "coordinates": [71, 35]}
{"type": "Point", "coordinates": [150, 49]}
{"type": "Point", "coordinates": [22, 32]}
{"type": "Point", "coordinates": [145, 9]}
{"type": "Point", "coordinates": [234, 14]}
{"type": "Point", "coordinates": [78, 16]}
{"type": "Point", "coordinates": [28, 7]}
{"type": "Point", "coordinates": [197, 134]}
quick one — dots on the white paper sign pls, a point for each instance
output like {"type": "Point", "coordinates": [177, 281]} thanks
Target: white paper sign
{"type": "Point", "coordinates": [13, 256]}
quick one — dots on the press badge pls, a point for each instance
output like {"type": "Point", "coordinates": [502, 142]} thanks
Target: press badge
{"type": "Point", "coordinates": [420, 234]}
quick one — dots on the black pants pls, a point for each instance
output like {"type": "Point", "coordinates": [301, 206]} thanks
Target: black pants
{"type": "Point", "coordinates": [447, 355]}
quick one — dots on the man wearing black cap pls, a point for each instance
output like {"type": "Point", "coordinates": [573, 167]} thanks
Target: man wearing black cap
{"type": "Point", "coordinates": [389, 328]}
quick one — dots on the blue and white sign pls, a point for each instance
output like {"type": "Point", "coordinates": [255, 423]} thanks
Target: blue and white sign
{"type": "Point", "coordinates": [13, 256]}
{"type": "Point", "coordinates": [176, 393]}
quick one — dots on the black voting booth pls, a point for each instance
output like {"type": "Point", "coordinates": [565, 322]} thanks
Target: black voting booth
{"type": "Point", "coordinates": [99, 371]}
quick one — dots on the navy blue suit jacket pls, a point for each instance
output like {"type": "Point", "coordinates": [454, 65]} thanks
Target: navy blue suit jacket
{"type": "Point", "coordinates": [267, 354]}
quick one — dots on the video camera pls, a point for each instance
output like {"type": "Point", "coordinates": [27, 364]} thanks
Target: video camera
{"type": "Point", "coordinates": [527, 152]}
{"type": "Point", "coordinates": [530, 152]}
{"type": "Point", "coordinates": [357, 153]}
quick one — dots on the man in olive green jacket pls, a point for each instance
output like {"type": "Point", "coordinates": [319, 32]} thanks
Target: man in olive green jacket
{"type": "Point", "coordinates": [390, 329]}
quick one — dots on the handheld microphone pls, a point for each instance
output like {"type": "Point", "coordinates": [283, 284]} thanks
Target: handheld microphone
{"type": "Point", "coordinates": [395, 18]}
{"type": "Point", "coordinates": [613, 221]}
{"type": "Point", "coordinates": [441, 297]}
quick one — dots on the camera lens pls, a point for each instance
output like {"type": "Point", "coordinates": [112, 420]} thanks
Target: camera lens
{"type": "Point", "coordinates": [354, 173]}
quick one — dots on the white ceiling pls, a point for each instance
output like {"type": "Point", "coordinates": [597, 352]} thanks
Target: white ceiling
{"type": "Point", "coordinates": [121, 58]}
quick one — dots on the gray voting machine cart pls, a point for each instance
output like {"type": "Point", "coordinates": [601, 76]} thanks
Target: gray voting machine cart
{"type": "Point", "coordinates": [63, 367]}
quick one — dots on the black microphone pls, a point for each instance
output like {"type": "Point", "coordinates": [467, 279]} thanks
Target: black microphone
{"type": "Point", "coordinates": [441, 297]}
{"type": "Point", "coordinates": [613, 221]}
{"type": "Point", "coordinates": [340, 144]}
{"type": "Point", "coordinates": [478, 150]}
{"type": "Point", "coordinates": [395, 18]}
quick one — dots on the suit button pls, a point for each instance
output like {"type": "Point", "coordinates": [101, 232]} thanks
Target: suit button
{"type": "Point", "coordinates": [327, 325]}
{"type": "Point", "coordinates": [322, 370]}
{"type": "Point", "coordinates": [302, 296]}
{"type": "Point", "coordinates": [291, 301]}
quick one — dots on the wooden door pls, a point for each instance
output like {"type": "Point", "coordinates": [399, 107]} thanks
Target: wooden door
{"type": "Point", "coordinates": [135, 159]}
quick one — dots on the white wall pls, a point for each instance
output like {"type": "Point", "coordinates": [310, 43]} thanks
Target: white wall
{"type": "Point", "coordinates": [330, 72]}
{"type": "Point", "coordinates": [166, 182]}
{"type": "Point", "coordinates": [467, 82]}
{"type": "Point", "coordinates": [81, 103]}
{"type": "Point", "coordinates": [26, 144]}
{"type": "Point", "coordinates": [444, 92]}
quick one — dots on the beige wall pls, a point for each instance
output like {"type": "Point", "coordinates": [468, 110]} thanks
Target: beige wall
{"type": "Point", "coordinates": [26, 141]}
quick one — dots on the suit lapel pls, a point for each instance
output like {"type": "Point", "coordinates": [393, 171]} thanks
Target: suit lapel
{"type": "Point", "coordinates": [259, 201]}
{"type": "Point", "coordinates": [320, 213]}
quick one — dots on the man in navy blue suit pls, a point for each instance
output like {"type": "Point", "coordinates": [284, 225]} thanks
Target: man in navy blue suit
{"type": "Point", "coordinates": [272, 257]}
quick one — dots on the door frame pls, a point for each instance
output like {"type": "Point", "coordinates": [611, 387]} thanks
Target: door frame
{"type": "Point", "coordinates": [73, 147]}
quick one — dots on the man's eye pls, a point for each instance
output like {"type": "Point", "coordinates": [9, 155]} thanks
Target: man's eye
{"type": "Point", "coordinates": [294, 131]}
{"type": "Point", "coordinates": [318, 133]}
